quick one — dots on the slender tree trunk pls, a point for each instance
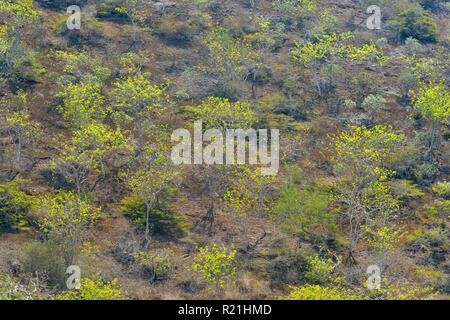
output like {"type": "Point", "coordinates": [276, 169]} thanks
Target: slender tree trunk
{"type": "Point", "coordinates": [147, 221]}
{"type": "Point", "coordinates": [19, 151]}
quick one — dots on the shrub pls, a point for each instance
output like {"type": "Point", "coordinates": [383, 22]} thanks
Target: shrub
{"type": "Point", "coordinates": [158, 264]}
{"type": "Point", "coordinates": [46, 261]}
{"type": "Point", "coordinates": [301, 211]}
{"type": "Point", "coordinates": [416, 25]}
{"type": "Point", "coordinates": [28, 69]}
{"type": "Point", "coordinates": [363, 85]}
{"type": "Point", "coordinates": [407, 82]}
{"type": "Point", "coordinates": [14, 206]}
{"type": "Point", "coordinates": [317, 292]}
{"type": "Point", "coordinates": [216, 267]}
{"type": "Point", "coordinates": [94, 289]}
{"type": "Point", "coordinates": [413, 44]}
{"type": "Point", "coordinates": [162, 219]}
{"type": "Point", "coordinates": [90, 32]}
{"type": "Point", "coordinates": [173, 30]}
{"type": "Point", "coordinates": [320, 270]}
{"type": "Point", "coordinates": [373, 104]}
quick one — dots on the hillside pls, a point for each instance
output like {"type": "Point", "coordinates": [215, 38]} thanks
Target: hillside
{"type": "Point", "coordinates": [100, 168]}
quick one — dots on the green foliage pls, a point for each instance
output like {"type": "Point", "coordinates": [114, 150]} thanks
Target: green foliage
{"type": "Point", "coordinates": [137, 11]}
{"type": "Point", "coordinates": [248, 195]}
{"type": "Point", "coordinates": [222, 114]}
{"type": "Point", "coordinates": [16, 17]}
{"type": "Point", "coordinates": [388, 291]}
{"type": "Point", "coordinates": [162, 219]}
{"type": "Point", "coordinates": [82, 103]}
{"type": "Point", "coordinates": [94, 289]}
{"type": "Point", "coordinates": [373, 104]}
{"type": "Point", "coordinates": [363, 85]}
{"type": "Point", "coordinates": [318, 292]}
{"type": "Point", "coordinates": [14, 206]}
{"type": "Point", "coordinates": [216, 266]}
{"type": "Point", "coordinates": [303, 211]}
{"type": "Point", "coordinates": [320, 270]}
{"type": "Point", "coordinates": [88, 152]}
{"type": "Point", "coordinates": [154, 175]}
{"type": "Point", "coordinates": [430, 239]}
{"type": "Point", "coordinates": [229, 56]}
{"type": "Point", "coordinates": [405, 189]}
{"type": "Point", "coordinates": [384, 239]}
{"type": "Point", "coordinates": [79, 66]}
{"type": "Point", "coordinates": [325, 51]}
{"type": "Point", "coordinates": [18, 123]}
{"type": "Point", "coordinates": [46, 260]}
{"type": "Point", "coordinates": [364, 151]}
{"type": "Point", "coordinates": [442, 189]}
{"type": "Point", "coordinates": [433, 103]}
{"type": "Point", "coordinates": [158, 263]}
{"type": "Point", "coordinates": [65, 219]}
{"type": "Point", "coordinates": [366, 199]}
{"type": "Point", "coordinates": [412, 24]}
{"type": "Point", "coordinates": [391, 290]}
{"type": "Point", "coordinates": [137, 100]}
{"type": "Point", "coordinates": [407, 82]}
{"type": "Point", "coordinates": [439, 209]}
{"type": "Point", "coordinates": [413, 44]}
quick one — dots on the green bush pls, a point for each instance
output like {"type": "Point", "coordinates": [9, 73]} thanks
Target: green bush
{"type": "Point", "coordinates": [162, 218]}
{"type": "Point", "coordinates": [46, 261]}
{"type": "Point", "coordinates": [14, 206]}
{"type": "Point", "coordinates": [28, 69]}
{"type": "Point", "coordinates": [407, 82]}
{"type": "Point", "coordinates": [94, 289]}
{"type": "Point", "coordinates": [418, 26]}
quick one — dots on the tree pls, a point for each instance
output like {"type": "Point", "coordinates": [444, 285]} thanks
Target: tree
{"type": "Point", "coordinates": [137, 100]}
{"type": "Point", "coordinates": [22, 129]}
{"type": "Point", "coordinates": [433, 103]}
{"type": "Point", "coordinates": [16, 16]}
{"type": "Point", "coordinates": [230, 57]}
{"type": "Point", "coordinates": [87, 153]}
{"type": "Point", "coordinates": [325, 50]}
{"type": "Point", "coordinates": [383, 242]}
{"type": "Point", "coordinates": [216, 266]}
{"type": "Point", "coordinates": [360, 157]}
{"type": "Point", "coordinates": [248, 196]}
{"type": "Point", "coordinates": [154, 174]}
{"type": "Point", "coordinates": [79, 66]}
{"type": "Point", "coordinates": [137, 11]}
{"type": "Point", "coordinates": [220, 114]}
{"type": "Point", "coordinates": [82, 103]}
{"type": "Point", "coordinates": [65, 219]}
